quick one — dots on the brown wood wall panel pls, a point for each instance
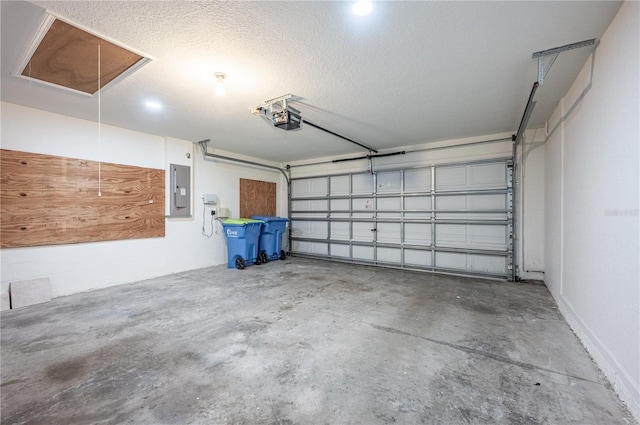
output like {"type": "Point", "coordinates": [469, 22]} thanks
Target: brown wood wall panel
{"type": "Point", "coordinates": [51, 200]}
{"type": "Point", "coordinates": [257, 198]}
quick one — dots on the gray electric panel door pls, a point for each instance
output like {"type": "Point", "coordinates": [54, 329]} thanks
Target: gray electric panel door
{"type": "Point", "coordinates": [180, 191]}
{"type": "Point", "coordinates": [455, 218]}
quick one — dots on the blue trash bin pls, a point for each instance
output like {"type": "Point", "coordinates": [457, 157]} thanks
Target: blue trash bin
{"type": "Point", "coordinates": [270, 245]}
{"type": "Point", "coordinates": [242, 242]}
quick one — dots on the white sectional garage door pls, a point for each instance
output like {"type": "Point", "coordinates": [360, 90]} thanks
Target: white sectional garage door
{"type": "Point", "coordinates": [454, 218]}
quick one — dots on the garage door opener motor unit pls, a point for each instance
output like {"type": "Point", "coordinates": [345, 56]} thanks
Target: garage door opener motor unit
{"type": "Point", "coordinates": [287, 118]}
{"type": "Point", "coordinates": [276, 111]}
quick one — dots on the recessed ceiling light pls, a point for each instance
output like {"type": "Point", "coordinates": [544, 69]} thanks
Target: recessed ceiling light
{"type": "Point", "coordinates": [362, 7]}
{"type": "Point", "coordinates": [152, 104]}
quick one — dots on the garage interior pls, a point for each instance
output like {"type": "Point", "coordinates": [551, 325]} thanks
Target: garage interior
{"type": "Point", "coordinates": [461, 182]}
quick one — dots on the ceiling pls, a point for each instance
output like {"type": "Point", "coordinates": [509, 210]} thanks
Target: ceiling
{"type": "Point", "coordinates": [409, 73]}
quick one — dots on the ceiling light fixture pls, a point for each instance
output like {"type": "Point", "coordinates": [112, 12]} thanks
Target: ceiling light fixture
{"type": "Point", "coordinates": [220, 77]}
{"type": "Point", "coordinates": [152, 104]}
{"type": "Point", "coordinates": [362, 7]}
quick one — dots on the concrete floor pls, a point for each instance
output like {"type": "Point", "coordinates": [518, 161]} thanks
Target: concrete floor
{"type": "Point", "coordinates": [301, 342]}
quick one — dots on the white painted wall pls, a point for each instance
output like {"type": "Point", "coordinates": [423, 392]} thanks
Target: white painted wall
{"type": "Point", "coordinates": [592, 255]}
{"type": "Point", "coordinates": [531, 204]}
{"type": "Point", "coordinates": [81, 267]}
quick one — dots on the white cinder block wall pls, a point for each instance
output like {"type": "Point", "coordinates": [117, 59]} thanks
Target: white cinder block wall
{"type": "Point", "coordinates": [592, 258]}
{"type": "Point", "coordinates": [81, 267]}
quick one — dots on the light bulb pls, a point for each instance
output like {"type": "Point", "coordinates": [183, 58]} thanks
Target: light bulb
{"type": "Point", "coordinates": [220, 88]}
{"type": "Point", "coordinates": [220, 83]}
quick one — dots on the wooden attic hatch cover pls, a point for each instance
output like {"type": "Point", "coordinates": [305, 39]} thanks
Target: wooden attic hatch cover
{"type": "Point", "coordinates": [66, 55]}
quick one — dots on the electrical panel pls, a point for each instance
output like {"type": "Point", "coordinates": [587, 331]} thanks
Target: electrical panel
{"type": "Point", "coordinates": [180, 195]}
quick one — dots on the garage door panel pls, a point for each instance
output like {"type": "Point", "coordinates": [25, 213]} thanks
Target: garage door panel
{"type": "Point", "coordinates": [362, 232]}
{"type": "Point", "coordinates": [340, 205]}
{"type": "Point", "coordinates": [484, 264]}
{"type": "Point", "coordinates": [342, 251]}
{"type": "Point", "coordinates": [388, 182]}
{"type": "Point", "coordinates": [389, 233]}
{"type": "Point", "coordinates": [487, 264]}
{"type": "Point", "coordinates": [313, 248]}
{"type": "Point", "coordinates": [486, 202]}
{"type": "Point", "coordinates": [470, 177]}
{"type": "Point", "coordinates": [363, 207]}
{"type": "Point", "coordinates": [477, 216]}
{"type": "Point", "coordinates": [492, 237]}
{"type": "Point", "coordinates": [340, 231]}
{"type": "Point", "coordinates": [450, 178]}
{"type": "Point", "coordinates": [487, 175]}
{"type": "Point", "coordinates": [418, 180]}
{"type": "Point", "coordinates": [451, 260]}
{"type": "Point", "coordinates": [389, 207]}
{"type": "Point", "coordinates": [419, 258]}
{"type": "Point", "coordinates": [389, 255]}
{"type": "Point", "coordinates": [362, 184]}
{"type": "Point", "coordinates": [305, 208]}
{"type": "Point", "coordinates": [479, 207]}
{"type": "Point", "coordinates": [309, 187]}
{"type": "Point", "coordinates": [389, 204]}
{"type": "Point", "coordinates": [472, 202]}
{"type": "Point", "coordinates": [417, 234]}
{"type": "Point", "coordinates": [362, 252]}
{"type": "Point", "coordinates": [451, 202]}
{"type": "Point", "coordinates": [417, 203]}
{"type": "Point", "coordinates": [392, 217]}
{"type": "Point", "coordinates": [340, 185]}
{"type": "Point", "coordinates": [309, 229]}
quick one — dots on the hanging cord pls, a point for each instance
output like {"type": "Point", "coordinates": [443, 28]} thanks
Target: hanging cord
{"type": "Point", "coordinates": [99, 129]}
{"type": "Point", "coordinates": [213, 224]}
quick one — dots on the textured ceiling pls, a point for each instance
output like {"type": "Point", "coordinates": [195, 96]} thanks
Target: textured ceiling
{"type": "Point", "coordinates": [410, 73]}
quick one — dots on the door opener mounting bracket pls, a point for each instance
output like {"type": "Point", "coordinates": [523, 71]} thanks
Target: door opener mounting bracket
{"type": "Point", "coordinates": [552, 55]}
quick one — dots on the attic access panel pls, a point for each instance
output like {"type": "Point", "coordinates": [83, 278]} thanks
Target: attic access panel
{"type": "Point", "coordinates": [66, 56]}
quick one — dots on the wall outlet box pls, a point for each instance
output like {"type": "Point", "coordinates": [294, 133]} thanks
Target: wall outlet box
{"type": "Point", "coordinates": [209, 199]}
{"type": "Point", "coordinates": [223, 213]}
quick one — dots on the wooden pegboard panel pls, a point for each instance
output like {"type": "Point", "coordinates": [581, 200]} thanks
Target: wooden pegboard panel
{"type": "Point", "coordinates": [51, 200]}
{"type": "Point", "coordinates": [257, 198]}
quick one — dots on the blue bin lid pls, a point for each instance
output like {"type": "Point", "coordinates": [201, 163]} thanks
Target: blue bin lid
{"type": "Point", "coordinates": [268, 218]}
{"type": "Point", "coordinates": [240, 222]}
